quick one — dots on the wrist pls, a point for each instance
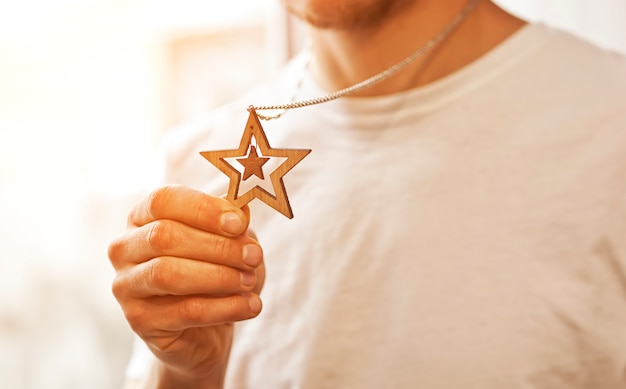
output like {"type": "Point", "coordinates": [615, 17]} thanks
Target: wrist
{"type": "Point", "coordinates": [165, 377]}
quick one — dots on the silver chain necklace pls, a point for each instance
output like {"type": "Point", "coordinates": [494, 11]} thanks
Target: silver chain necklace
{"type": "Point", "coordinates": [373, 79]}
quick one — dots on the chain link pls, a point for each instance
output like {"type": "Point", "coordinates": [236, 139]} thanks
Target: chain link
{"type": "Point", "coordinates": [370, 81]}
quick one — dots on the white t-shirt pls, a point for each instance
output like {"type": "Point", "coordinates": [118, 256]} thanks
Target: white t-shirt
{"type": "Point", "coordinates": [467, 234]}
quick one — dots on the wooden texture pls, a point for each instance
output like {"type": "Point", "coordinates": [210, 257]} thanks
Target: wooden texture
{"type": "Point", "coordinates": [253, 164]}
{"type": "Point", "coordinates": [247, 155]}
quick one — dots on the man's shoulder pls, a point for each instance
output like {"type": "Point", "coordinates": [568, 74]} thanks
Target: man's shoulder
{"type": "Point", "coordinates": [583, 63]}
{"type": "Point", "coordinates": [565, 79]}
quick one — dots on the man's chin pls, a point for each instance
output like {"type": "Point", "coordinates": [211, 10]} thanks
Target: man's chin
{"type": "Point", "coordinates": [343, 14]}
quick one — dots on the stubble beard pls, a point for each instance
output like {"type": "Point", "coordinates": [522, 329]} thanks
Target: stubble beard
{"type": "Point", "coordinates": [345, 14]}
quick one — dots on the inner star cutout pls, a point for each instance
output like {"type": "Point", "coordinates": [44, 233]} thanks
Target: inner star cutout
{"type": "Point", "coordinates": [247, 156]}
{"type": "Point", "coordinates": [253, 164]}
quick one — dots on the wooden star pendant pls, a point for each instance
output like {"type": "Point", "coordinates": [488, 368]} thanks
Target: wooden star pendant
{"type": "Point", "coordinates": [247, 156]}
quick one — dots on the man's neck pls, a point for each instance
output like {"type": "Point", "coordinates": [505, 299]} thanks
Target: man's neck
{"type": "Point", "coordinates": [344, 57]}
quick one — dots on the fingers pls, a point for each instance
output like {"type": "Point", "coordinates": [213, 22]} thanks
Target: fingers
{"type": "Point", "coordinates": [172, 294]}
{"type": "Point", "coordinates": [187, 260]}
{"type": "Point", "coordinates": [177, 276]}
{"type": "Point", "coordinates": [175, 313]}
{"type": "Point", "coordinates": [191, 207]}
{"type": "Point", "coordinates": [170, 238]}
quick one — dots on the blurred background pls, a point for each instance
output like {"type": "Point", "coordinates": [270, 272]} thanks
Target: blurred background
{"type": "Point", "coordinates": [87, 89]}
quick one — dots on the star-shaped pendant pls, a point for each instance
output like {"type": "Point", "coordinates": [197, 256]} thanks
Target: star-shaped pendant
{"type": "Point", "coordinates": [247, 156]}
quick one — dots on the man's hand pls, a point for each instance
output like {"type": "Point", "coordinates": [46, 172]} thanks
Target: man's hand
{"type": "Point", "coordinates": [187, 269]}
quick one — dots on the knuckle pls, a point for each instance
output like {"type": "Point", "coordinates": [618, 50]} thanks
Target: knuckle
{"type": "Point", "coordinates": [219, 246]}
{"type": "Point", "coordinates": [162, 236]}
{"type": "Point", "coordinates": [136, 318]}
{"type": "Point", "coordinates": [158, 199]}
{"type": "Point", "coordinates": [204, 211]}
{"type": "Point", "coordinates": [190, 311]}
{"type": "Point", "coordinates": [222, 277]}
{"type": "Point", "coordinates": [118, 288]}
{"type": "Point", "coordinates": [159, 274]}
{"type": "Point", "coordinates": [131, 217]}
{"type": "Point", "coordinates": [115, 250]}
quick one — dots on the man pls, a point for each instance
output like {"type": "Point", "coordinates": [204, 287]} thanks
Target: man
{"type": "Point", "coordinates": [459, 224]}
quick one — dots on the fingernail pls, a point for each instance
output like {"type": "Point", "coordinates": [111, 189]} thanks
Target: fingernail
{"type": "Point", "coordinates": [255, 303]}
{"type": "Point", "coordinates": [231, 223]}
{"type": "Point", "coordinates": [248, 279]}
{"type": "Point", "coordinates": [252, 255]}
